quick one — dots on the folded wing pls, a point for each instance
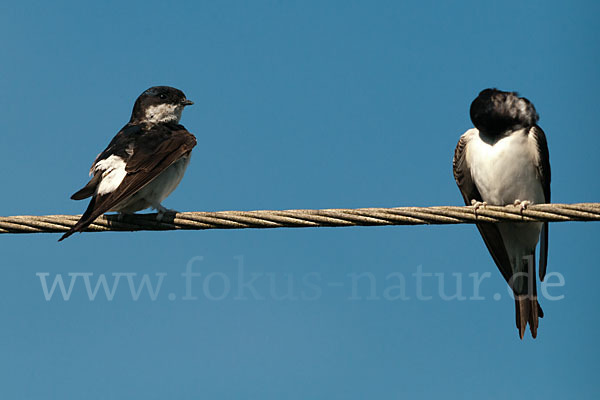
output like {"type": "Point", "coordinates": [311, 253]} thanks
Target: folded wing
{"type": "Point", "coordinates": [143, 159]}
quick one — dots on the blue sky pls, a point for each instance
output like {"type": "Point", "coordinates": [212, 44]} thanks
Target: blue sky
{"type": "Point", "coordinates": [297, 105]}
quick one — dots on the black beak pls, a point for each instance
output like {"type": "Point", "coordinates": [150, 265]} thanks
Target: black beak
{"type": "Point", "coordinates": [187, 102]}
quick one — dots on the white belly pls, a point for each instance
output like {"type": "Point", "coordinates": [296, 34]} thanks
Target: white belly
{"type": "Point", "coordinates": [505, 171]}
{"type": "Point", "coordinates": [157, 190]}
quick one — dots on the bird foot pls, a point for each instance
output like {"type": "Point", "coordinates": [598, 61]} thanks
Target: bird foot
{"type": "Point", "coordinates": [522, 204]}
{"type": "Point", "coordinates": [162, 211]}
{"type": "Point", "coordinates": [478, 204]}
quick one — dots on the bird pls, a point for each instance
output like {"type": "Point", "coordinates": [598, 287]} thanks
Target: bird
{"type": "Point", "coordinates": [504, 160]}
{"type": "Point", "coordinates": [143, 163]}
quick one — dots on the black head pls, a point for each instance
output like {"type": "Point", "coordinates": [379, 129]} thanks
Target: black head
{"type": "Point", "coordinates": [495, 112]}
{"type": "Point", "coordinates": [159, 104]}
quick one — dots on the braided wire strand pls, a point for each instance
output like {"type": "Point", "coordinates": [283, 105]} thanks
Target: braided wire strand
{"type": "Point", "coordinates": [307, 218]}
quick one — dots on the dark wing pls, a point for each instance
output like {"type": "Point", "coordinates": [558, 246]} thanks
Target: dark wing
{"type": "Point", "coordinates": [160, 147]}
{"type": "Point", "coordinates": [489, 232]}
{"type": "Point", "coordinates": [462, 172]}
{"type": "Point", "coordinates": [543, 170]}
{"type": "Point", "coordinates": [117, 146]}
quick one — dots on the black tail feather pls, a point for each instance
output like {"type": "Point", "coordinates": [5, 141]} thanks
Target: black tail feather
{"type": "Point", "coordinates": [527, 307]}
{"type": "Point", "coordinates": [88, 190]}
{"type": "Point", "coordinates": [86, 219]}
{"type": "Point", "coordinates": [527, 310]}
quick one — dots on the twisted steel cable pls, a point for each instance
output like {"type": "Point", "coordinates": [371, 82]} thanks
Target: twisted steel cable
{"type": "Point", "coordinates": [307, 218]}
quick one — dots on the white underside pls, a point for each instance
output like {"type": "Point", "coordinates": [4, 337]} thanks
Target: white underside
{"type": "Point", "coordinates": [157, 190]}
{"type": "Point", "coordinates": [503, 172]}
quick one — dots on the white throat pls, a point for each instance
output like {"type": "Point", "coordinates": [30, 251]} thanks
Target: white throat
{"type": "Point", "coordinates": [164, 113]}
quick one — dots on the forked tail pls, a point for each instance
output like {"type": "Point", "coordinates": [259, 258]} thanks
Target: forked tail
{"type": "Point", "coordinates": [527, 308]}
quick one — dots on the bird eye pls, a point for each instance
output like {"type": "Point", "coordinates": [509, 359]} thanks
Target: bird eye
{"type": "Point", "coordinates": [162, 96]}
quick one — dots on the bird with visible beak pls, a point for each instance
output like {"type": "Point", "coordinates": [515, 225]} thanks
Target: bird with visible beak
{"type": "Point", "coordinates": [143, 163]}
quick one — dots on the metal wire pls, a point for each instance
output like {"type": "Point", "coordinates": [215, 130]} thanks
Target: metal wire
{"type": "Point", "coordinates": [307, 218]}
